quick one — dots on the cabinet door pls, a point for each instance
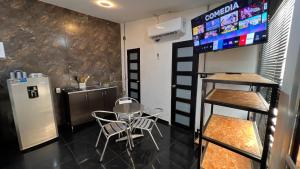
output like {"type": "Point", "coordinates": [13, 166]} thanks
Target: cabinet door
{"type": "Point", "coordinates": [96, 100]}
{"type": "Point", "coordinates": [110, 96]}
{"type": "Point", "coordinates": [78, 108]}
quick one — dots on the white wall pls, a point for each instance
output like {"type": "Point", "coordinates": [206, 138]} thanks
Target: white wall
{"type": "Point", "coordinates": [156, 72]}
{"type": "Point", "coordinates": [233, 60]}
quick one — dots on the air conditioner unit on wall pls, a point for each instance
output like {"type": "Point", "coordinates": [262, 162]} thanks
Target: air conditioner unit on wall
{"type": "Point", "coordinates": [174, 27]}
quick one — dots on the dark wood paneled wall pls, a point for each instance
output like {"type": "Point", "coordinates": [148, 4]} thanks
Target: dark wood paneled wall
{"type": "Point", "coordinates": [40, 37]}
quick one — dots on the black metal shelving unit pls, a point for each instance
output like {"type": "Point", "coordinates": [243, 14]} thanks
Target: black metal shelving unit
{"type": "Point", "coordinates": [230, 140]}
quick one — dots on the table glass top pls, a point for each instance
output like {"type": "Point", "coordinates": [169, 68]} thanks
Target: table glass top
{"type": "Point", "coordinates": [128, 108]}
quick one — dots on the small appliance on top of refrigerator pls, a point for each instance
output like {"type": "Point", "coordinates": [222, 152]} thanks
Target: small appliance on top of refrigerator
{"type": "Point", "coordinates": [32, 107]}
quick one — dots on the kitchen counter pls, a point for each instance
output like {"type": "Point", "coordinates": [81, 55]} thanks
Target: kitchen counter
{"type": "Point", "coordinates": [87, 89]}
{"type": "Point", "coordinates": [80, 103]}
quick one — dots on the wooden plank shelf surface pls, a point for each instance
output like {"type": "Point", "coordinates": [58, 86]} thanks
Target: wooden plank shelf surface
{"type": "Point", "coordinates": [237, 133]}
{"type": "Point", "coordinates": [216, 157]}
{"type": "Point", "coordinates": [243, 79]}
{"type": "Point", "coordinates": [245, 100]}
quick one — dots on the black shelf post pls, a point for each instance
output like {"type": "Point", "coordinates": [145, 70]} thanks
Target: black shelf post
{"type": "Point", "coordinates": [268, 134]}
{"type": "Point", "coordinates": [203, 95]}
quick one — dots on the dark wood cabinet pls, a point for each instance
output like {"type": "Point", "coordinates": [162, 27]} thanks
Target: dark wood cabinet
{"type": "Point", "coordinates": [77, 108]}
{"type": "Point", "coordinates": [109, 96]}
{"type": "Point", "coordinates": [80, 104]}
{"type": "Point", "coordinates": [95, 100]}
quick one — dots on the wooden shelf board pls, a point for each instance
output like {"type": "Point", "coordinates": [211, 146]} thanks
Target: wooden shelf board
{"type": "Point", "coordinates": [216, 157]}
{"type": "Point", "coordinates": [245, 100]}
{"type": "Point", "coordinates": [244, 78]}
{"type": "Point", "coordinates": [238, 133]}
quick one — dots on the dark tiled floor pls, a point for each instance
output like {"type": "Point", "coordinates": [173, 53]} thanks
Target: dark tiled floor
{"type": "Point", "coordinates": [76, 151]}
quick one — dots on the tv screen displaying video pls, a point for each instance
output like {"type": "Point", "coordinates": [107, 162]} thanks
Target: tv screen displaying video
{"type": "Point", "coordinates": [235, 24]}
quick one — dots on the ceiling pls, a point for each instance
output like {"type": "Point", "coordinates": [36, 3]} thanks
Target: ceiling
{"type": "Point", "coordinates": [129, 10]}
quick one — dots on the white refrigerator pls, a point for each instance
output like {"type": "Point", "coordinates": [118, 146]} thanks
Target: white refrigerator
{"type": "Point", "coordinates": [33, 111]}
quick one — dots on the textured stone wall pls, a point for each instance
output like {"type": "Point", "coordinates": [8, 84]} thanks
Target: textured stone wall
{"type": "Point", "coordinates": [60, 43]}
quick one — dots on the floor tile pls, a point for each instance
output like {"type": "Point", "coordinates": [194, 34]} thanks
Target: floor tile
{"type": "Point", "coordinates": [181, 135]}
{"type": "Point", "coordinates": [88, 135]}
{"type": "Point", "coordinates": [77, 151]}
{"type": "Point", "coordinates": [48, 156]}
{"type": "Point", "coordinates": [160, 164]}
{"type": "Point", "coordinates": [180, 155]}
{"type": "Point", "coordinates": [91, 164]}
{"type": "Point", "coordinates": [83, 151]}
{"type": "Point", "coordinates": [116, 164]}
{"type": "Point", "coordinates": [139, 160]}
{"type": "Point", "coordinates": [68, 165]}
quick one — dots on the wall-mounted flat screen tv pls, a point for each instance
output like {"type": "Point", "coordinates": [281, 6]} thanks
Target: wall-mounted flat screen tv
{"type": "Point", "coordinates": [235, 24]}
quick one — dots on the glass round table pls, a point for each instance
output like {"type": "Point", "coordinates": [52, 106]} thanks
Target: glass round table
{"type": "Point", "coordinates": [129, 110]}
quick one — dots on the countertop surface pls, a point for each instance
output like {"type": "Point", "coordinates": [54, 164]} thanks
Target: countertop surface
{"type": "Point", "coordinates": [87, 89]}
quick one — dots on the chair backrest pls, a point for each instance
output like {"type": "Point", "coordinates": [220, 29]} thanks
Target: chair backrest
{"type": "Point", "coordinates": [125, 100]}
{"type": "Point", "coordinates": [102, 121]}
{"type": "Point", "coordinates": [155, 113]}
{"type": "Point", "coordinates": [152, 114]}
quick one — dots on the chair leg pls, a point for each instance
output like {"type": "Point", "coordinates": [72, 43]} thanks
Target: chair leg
{"type": "Point", "coordinates": [102, 155]}
{"type": "Point", "coordinates": [153, 140]}
{"type": "Point", "coordinates": [128, 140]}
{"type": "Point", "coordinates": [127, 144]}
{"type": "Point", "coordinates": [158, 130]}
{"type": "Point", "coordinates": [130, 137]}
{"type": "Point", "coordinates": [131, 140]}
{"type": "Point", "coordinates": [97, 142]}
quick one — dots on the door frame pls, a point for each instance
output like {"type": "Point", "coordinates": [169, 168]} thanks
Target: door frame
{"type": "Point", "coordinates": [193, 88]}
{"type": "Point", "coordinates": [138, 71]}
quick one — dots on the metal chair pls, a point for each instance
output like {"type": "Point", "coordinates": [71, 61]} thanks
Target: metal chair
{"type": "Point", "coordinates": [126, 100]}
{"type": "Point", "coordinates": [147, 123]}
{"type": "Point", "coordinates": [110, 128]}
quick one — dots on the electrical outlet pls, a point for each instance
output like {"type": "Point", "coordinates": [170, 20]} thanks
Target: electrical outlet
{"type": "Point", "coordinates": [58, 90]}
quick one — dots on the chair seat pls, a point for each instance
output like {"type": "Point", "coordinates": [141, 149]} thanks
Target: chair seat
{"type": "Point", "coordinates": [142, 123]}
{"type": "Point", "coordinates": [123, 117]}
{"type": "Point", "coordinates": [114, 128]}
